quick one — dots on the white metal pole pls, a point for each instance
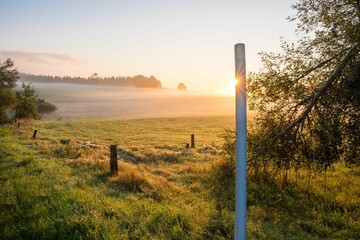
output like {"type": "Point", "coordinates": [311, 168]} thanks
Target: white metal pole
{"type": "Point", "coordinates": [240, 182]}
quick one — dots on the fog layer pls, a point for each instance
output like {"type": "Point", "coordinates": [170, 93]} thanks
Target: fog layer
{"type": "Point", "coordinates": [88, 101]}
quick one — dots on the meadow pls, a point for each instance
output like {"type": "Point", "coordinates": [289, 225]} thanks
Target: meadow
{"type": "Point", "coordinates": [59, 185]}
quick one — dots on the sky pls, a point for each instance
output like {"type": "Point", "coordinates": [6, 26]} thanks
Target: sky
{"type": "Point", "coordinates": [188, 41]}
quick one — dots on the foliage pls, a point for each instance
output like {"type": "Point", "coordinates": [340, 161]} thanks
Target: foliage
{"type": "Point", "coordinates": [8, 77]}
{"type": "Point", "coordinates": [307, 97]}
{"type": "Point", "coordinates": [45, 107]}
{"type": "Point", "coordinates": [27, 106]}
{"type": "Point", "coordinates": [222, 176]}
{"type": "Point", "coordinates": [24, 100]}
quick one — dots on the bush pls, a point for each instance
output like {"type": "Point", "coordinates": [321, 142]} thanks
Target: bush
{"type": "Point", "coordinates": [222, 174]}
{"type": "Point", "coordinates": [45, 107]}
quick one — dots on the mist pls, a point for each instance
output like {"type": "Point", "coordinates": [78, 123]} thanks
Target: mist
{"type": "Point", "coordinates": [89, 101]}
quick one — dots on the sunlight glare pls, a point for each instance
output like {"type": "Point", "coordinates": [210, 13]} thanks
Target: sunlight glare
{"type": "Point", "coordinates": [230, 90]}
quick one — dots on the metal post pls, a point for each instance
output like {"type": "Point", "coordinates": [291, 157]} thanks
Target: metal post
{"type": "Point", "coordinates": [240, 182]}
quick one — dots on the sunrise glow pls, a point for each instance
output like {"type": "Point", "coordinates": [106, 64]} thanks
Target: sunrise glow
{"type": "Point", "coordinates": [230, 90]}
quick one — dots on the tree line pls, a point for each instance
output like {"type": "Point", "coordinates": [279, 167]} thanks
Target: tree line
{"type": "Point", "coordinates": [138, 81]}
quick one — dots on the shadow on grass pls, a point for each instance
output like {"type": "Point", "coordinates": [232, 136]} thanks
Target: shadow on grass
{"type": "Point", "coordinates": [98, 176]}
{"type": "Point", "coordinates": [294, 209]}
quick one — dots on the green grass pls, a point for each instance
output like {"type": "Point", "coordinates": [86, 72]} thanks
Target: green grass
{"type": "Point", "coordinates": [148, 132]}
{"type": "Point", "coordinates": [58, 186]}
{"type": "Point", "coordinates": [300, 211]}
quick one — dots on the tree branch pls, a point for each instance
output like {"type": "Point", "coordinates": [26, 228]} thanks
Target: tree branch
{"type": "Point", "coordinates": [314, 68]}
{"type": "Point", "coordinates": [335, 74]}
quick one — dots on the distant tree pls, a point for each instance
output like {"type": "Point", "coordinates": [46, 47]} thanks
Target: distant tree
{"type": "Point", "coordinates": [8, 77]}
{"type": "Point", "coordinates": [27, 106]}
{"type": "Point", "coordinates": [94, 76]}
{"type": "Point", "coordinates": [155, 83]}
{"type": "Point", "coordinates": [141, 81]}
{"type": "Point", "coordinates": [45, 107]}
{"type": "Point", "coordinates": [182, 87]}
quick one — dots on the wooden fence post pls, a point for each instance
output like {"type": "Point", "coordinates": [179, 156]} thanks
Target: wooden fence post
{"type": "Point", "coordinates": [113, 159]}
{"type": "Point", "coordinates": [34, 135]}
{"type": "Point", "coordinates": [192, 140]}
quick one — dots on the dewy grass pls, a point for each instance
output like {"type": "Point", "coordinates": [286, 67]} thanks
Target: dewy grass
{"type": "Point", "coordinates": [59, 186]}
{"type": "Point", "coordinates": [49, 194]}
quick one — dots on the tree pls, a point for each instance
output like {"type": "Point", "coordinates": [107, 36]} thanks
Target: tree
{"type": "Point", "coordinates": [308, 96]}
{"type": "Point", "coordinates": [8, 77]}
{"type": "Point", "coordinates": [27, 106]}
{"type": "Point", "coordinates": [182, 86]}
{"type": "Point", "coordinates": [94, 76]}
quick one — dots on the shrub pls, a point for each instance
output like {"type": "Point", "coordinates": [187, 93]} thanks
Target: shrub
{"type": "Point", "coordinates": [222, 174]}
{"type": "Point", "coordinates": [45, 107]}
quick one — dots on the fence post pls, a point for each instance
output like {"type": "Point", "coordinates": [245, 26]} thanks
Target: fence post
{"type": "Point", "coordinates": [192, 140]}
{"type": "Point", "coordinates": [34, 135]}
{"type": "Point", "coordinates": [113, 159]}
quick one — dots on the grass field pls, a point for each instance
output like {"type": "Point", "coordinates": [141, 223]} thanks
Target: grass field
{"type": "Point", "coordinates": [59, 186]}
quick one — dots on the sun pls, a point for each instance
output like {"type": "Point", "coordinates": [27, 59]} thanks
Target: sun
{"type": "Point", "coordinates": [231, 85]}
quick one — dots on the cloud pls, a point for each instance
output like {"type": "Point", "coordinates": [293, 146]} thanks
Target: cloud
{"type": "Point", "coordinates": [40, 58]}
{"type": "Point", "coordinates": [46, 63]}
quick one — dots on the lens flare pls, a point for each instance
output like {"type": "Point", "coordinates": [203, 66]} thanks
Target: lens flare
{"type": "Point", "coordinates": [230, 90]}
